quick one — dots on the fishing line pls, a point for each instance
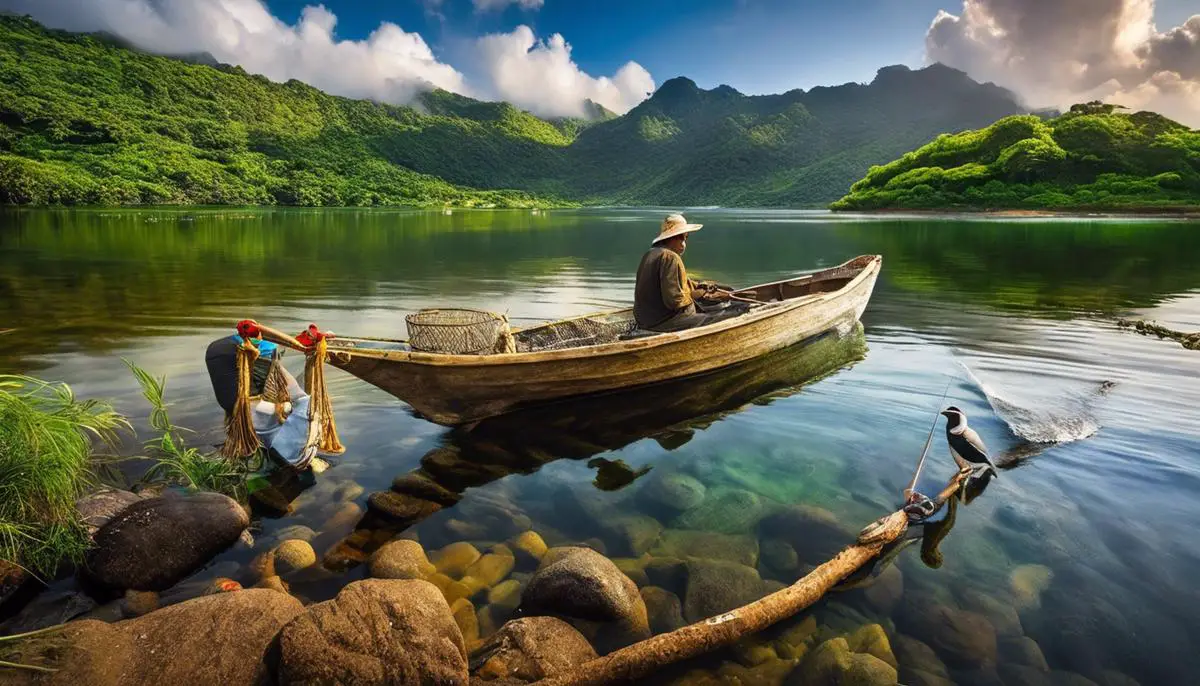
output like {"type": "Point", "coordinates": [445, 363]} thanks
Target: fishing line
{"type": "Point", "coordinates": [928, 440]}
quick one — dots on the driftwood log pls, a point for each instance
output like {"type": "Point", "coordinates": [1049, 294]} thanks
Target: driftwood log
{"type": "Point", "coordinates": [646, 657]}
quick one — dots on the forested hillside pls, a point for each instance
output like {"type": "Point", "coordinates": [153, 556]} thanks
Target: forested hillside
{"type": "Point", "coordinates": [86, 120]}
{"type": "Point", "coordinates": [83, 121]}
{"type": "Point", "coordinates": [1092, 157]}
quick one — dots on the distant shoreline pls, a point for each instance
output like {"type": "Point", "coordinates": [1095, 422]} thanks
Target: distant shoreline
{"type": "Point", "coordinates": [1082, 213]}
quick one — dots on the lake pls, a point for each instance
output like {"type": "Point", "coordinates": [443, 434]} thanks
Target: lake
{"type": "Point", "coordinates": [1083, 550]}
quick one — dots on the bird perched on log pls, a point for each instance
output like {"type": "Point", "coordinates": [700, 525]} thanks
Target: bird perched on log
{"type": "Point", "coordinates": [966, 447]}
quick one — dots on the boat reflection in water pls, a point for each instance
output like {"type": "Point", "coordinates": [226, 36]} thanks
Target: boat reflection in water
{"type": "Point", "coordinates": [521, 443]}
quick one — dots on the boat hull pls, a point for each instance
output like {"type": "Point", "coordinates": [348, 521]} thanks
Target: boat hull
{"type": "Point", "coordinates": [459, 389]}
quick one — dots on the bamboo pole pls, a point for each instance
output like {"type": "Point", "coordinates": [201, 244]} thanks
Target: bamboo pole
{"type": "Point", "coordinates": [645, 657]}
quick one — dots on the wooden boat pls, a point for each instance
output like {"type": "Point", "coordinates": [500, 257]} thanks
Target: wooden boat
{"type": "Point", "coordinates": [602, 352]}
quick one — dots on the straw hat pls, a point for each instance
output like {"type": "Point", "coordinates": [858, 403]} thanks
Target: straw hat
{"type": "Point", "coordinates": [675, 225]}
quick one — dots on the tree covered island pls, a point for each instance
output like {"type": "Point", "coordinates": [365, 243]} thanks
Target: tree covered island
{"type": "Point", "coordinates": [1093, 157]}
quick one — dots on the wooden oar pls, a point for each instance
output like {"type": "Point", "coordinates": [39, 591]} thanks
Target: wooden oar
{"type": "Point", "coordinates": [277, 336]}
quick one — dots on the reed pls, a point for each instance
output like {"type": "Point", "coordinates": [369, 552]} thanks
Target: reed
{"type": "Point", "coordinates": [174, 462]}
{"type": "Point", "coordinates": [46, 464]}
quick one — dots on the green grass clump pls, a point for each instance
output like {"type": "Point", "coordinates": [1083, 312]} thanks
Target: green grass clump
{"type": "Point", "coordinates": [177, 464]}
{"type": "Point", "coordinates": [46, 463]}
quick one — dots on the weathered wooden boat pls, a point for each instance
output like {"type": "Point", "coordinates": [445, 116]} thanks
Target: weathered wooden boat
{"type": "Point", "coordinates": [605, 352]}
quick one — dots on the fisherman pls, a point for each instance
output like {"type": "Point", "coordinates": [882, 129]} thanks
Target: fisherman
{"type": "Point", "coordinates": [665, 299]}
{"type": "Point", "coordinates": [282, 429]}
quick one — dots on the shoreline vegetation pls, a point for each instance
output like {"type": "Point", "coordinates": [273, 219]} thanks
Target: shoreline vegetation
{"type": "Point", "coordinates": [1090, 159]}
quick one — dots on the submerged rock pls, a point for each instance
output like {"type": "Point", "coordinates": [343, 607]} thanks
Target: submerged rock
{"type": "Point", "coordinates": [529, 548]}
{"type": "Point", "coordinates": [883, 595]}
{"type": "Point", "coordinates": [226, 639]}
{"type": "Point", "coordinates": [663, 608]}
{"type": "Point", "coordinates": [671, 492]}
{"type": "Point", "coordinates": [814, 533]}
{"type": "Point", "coordinates": [964, 640]}
{"type": "Point", "coordinates": [682, 543]}
{"type": "Point", "coordinates": [463, 612]}
{"type": "Point", "coordinates": [1023, 650]}
{"type": "Point", "coordinates": [715, 587]}
{"type": "Point", "coordinates": [833, 662]}
{"type": "Point", "coordinates": [724, 510]}
{"type": "Point", "coordinates": [419, 486]}
{"type": "Point", "coordinates": [530, 649]}
{"type": "Point", "coordinates": [138, 603]}
{"type": "Point", "coordinates": [779, 559]}
{"type": "Point", "coordinates": [631, 534]}
{"type": "Point", "coordinates": [376, 631]}
{"type": "Point", "coordinates": [292, 556]}
{"type": "Point", "coordinates": [454, 559]}
{"type": "Point", "coordinates": [872, 640]}
{"type": "Point", "coordinates": [1002, 615]}
{"type": "Point", "coordinates": [583, 584]}
{"type": "Point", "coordinates": [1027, 583]}
{"type": "Point", "coordinates": [400, 559]}
{"type": "Point", "coordinates": [400, 509]}
{"type": "Point", "coordinates": [154, 543]}
{"type": "Point", "coordinates": [916, 655]}
{"type": "Point", "coordinates": [488, 571]}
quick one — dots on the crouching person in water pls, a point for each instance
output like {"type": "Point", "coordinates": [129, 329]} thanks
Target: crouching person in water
{"type": "Point", "coordinates": [283, 428]}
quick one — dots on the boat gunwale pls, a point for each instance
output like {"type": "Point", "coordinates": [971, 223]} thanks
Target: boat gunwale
{"type": "Point", "coordinates": [617, 347]}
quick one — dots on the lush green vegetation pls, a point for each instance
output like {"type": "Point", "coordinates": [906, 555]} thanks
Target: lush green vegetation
{"type": "Point", "coordinates": [46, 463]}
{"type": "Point", "coordinates": [175, 463]}
{"type": "Point", "coordinates": [83, 121]}
{"type": "Point", "coordinates": [86, 121]}
{"type": "Point", "coordinates": [1092, 157]}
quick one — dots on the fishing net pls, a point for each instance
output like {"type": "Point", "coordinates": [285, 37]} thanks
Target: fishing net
{"type": "Point", "coordinates": [458, 332]}
{"type": "Point", "coordinates": [574, 333]}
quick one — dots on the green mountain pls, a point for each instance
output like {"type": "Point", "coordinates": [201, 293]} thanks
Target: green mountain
{"type": "Point", "coordinates": [86, 120]}
{"type": "Point", "coordinates": [1092, 157]}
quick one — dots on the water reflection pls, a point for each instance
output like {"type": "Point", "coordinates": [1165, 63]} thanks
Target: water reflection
{"type": "Point", "coordinates": [524, 442]}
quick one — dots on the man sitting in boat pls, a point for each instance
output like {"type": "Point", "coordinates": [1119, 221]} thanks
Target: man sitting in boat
{"type": "Point", "coordinates": [665, 299]}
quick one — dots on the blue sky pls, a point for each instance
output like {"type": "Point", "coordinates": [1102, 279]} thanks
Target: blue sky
{"type": "Point", "coordinates": [756, 46]}
{"type": "Point", "coordinates": [551, 56]}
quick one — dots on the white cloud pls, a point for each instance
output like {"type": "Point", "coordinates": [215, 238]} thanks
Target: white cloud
{"type": "Point", "coordinates": [390, 65]}
{"type": "Point", "coordinates": [1059, 52]}
{"type": "Point", "coordinates": [541, 76]}
{"type": "Point", "coordinates": [489, 5]}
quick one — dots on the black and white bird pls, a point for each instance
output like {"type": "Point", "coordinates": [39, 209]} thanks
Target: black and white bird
{"type": "Point", "coordinates": [966, 447]}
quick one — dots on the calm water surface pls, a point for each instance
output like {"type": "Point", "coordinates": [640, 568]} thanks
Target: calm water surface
{"type": "Point", "coordinates": [1090, 538]}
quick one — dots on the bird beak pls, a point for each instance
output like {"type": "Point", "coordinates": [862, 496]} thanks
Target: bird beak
{"type": "Point", "coordinates": [945, 414]}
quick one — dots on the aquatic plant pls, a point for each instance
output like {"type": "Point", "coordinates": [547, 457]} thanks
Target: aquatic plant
{"type": "Point", "coordinates": [46, 463]}
{"type": "Point", "coordinates": [175, 462]}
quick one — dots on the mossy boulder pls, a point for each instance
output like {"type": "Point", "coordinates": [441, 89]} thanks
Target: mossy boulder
{"type": "Point", "coordinates": [530, 649]}
{"type": "Point", "coordinates": [664, 609]}
{"type": "Point", "coordinates": [833, 662]}
{"type": "Point", "coordinates": [454, 559]}
{"type": "Point", "coordinates": [683, 544]}
{"type": "Point", "coordinates": [671, 492]}
{"type": "Point", "coordinates": [724, 510]}
{"type": "Point", "coordinates": [292, 556]}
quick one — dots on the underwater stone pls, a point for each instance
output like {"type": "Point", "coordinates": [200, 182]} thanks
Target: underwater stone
{"type": "Point", "coordinates": [454, 559]}
{"type": "Point", "coordinates": [451, 589]}
{"type": "Point", "coordinates": [293, 555]}
{"type": "Point", "coordinates": [634, 568]}
{"type": "Point", "coordinates": [671, 492]}
{"type": "Point", "coordinates": [725, 510]}
{"type": "Point", "coordinates": [506, 594]}
{"type": "Point", "coordinates": [631, 535]}
{"type": "Point", "coordinates": [752, 651]}
{"type": "Point", "coordinates": [832, 662]}
{"type": "Point", "coordinates": [914, 654]}
{"type": "Point", "coordinates": [138, 603]}
{"type": "Point", "coordinates": [487, 571]}
{"type": "Point", "coordinates": [419, 486]}
{"type": "Point", "coordinates": [884, 594]}
{"type": "Point", "coordinates": [295, 531]}
{"type": "Point", "coordinates": [814, 533]}
{"type": "Point", "coordinates": [468, 623]}
{"type": "Point", "coordinates": [1023, 675]}
{"type": "Point", "coordinates": [400, 509]}
{"type": "Point", "coordinates": [346, 517]}
{"type": "Point", "coordinates": [529, 547]}
{"type": "Point", "coordinates": [683, 543]}
{"type": "Point", "coordinates": [664, 609]}
{"type": "Point", "coordinates": [274, 583]}
{"type": "Point", "coordinates": [872, 640]}
{"type": "Point", "coordinates": [400, 559]}
{"type": "Point", "coordinates": [1027, 583]}
{"type": "Point", "coordinates": [1023, 650]}
{"type": "Point", "coordinates": [348, 490]}
{"type": "Point", "coordinates": [714, 587]}
{"type": "Point", "coordinates": [1002, 615]}
{"type": "Point", "coordinates": [779, 558]}
{"type": "Point", "coordinates": [668, 572]}
{"type": "Point", "coordinates": [793, 642]}
{"type": "Point", "coordinates": [962, 639]}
